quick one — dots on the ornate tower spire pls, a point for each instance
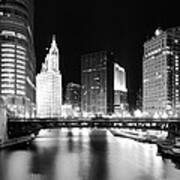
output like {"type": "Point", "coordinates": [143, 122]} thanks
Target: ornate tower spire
{"type": "Point", "coordinates": [52, 58]}
{"type": "Point", "coordinates": [54, 44]}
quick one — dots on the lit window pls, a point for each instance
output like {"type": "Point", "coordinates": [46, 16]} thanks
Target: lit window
{"type": "Point", "coordinates": [20, 92]}
{"type": "Point", "coordinates": [7, 91]}
{"type": "Point", "coordinates": [20, 86]}
{"type": "Point", "coordinates": [21, 62]}
{"type": "Point", "coordinates": [10, 75]}
{"type": "Point", "coordinates": [21, 57]}
{"type": "Point", "coordinates": [21, 52]}
{"type": "Point", "coordinates": [7, 55]}
{"type": "Point", "coordinates": [20, 76]}
{"type": "Point", "coordinates": [7, 50]}
{"type": "Point", "coordinates": [7, 65]}
{"type": "Point", "coordinates": [21, 36]}
{"type": "Point", "coordinates": [7, 45]}
{"type": "Point", "coordinates": [176, 41]}
{"type": "Point", "coordinates": [7, 85]}
{"type": "Point", "coordinates": [1, 13]}
{"type": "Point", "coordinates": [21, 47]}
{"type": "Point", "coordinates": [7, 70]}
{"type": "Point", "coordinates": [20, 67]}
{"type": "Point", "coordinates": [20, 81]}
{"type": "Point", "coordinates": [7, 60]}
{"type": "Point", "coordinates": [8, 33]}
{"type": "Point", "coordinates": [7, 80]}
{"type": "Point", "coordinates": [20, 71]}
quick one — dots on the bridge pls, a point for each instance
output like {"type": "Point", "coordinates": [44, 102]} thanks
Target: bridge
{"type": "Point", "coordinates": [21, 126]}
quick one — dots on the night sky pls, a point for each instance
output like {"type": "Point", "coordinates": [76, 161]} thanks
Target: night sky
{"type": "Point", "coordinates": [87, 25]}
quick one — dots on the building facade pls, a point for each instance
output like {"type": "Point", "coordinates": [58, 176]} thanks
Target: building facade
{"type": "Point", "coordinates": [102, 81]}
{"type": "Point", "coordinates": [120, 90]}
{"type": "Point", "coordinates": [17, 57]}
{"type": "Point", "coordinates": [161, 88]}
{"type": "Point", "coordinates": [73, 95]}
{"type": "Point", "coordinates": [49, 85]}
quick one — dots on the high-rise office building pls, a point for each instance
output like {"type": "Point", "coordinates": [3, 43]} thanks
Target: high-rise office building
{"type": "Point", "coordinates": [49, 85]}
{"type": "Point", "coordinates": [103, 83]}
{"type": "Point", "coordinates": [17, 57]}
{"type": "Point", "coordinates": [161, 71]}
{"type": "Point", "coordinates": [73, 95]}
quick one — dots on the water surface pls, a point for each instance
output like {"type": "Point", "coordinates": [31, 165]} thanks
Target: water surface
{"type": "Point", "coordinates": [84, 154]}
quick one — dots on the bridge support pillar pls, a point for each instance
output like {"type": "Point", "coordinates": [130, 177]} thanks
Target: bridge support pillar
{"type": "Point", "coordinates": [174, 130]}
{"type": "Point", "coordinates": [3, 122]}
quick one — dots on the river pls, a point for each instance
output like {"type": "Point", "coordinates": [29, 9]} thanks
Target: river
{"type": "Point", "coordinates": [84, 154]}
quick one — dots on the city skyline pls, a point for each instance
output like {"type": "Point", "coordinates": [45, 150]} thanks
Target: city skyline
{"type": "Point", "coordinates": [103, 84]}
{"type": "Point", "coordinates": [103, 57]}
{"type": "Point", "coordinates": [92, 26]}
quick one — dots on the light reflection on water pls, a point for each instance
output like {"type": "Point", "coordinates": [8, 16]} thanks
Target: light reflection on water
{"type": "Point", "coordinates": [84, 154]}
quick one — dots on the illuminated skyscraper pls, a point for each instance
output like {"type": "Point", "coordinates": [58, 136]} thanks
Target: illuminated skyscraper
{"type": "Point", "coordinates": [17, 58]}
{"type": "Point", "coordinates": [161, 72]}
{"type": "Point", "coordinates": [49, 85]}
{"type": "Point", "coordinates": [103, 84]}
{"type": "Point", "coordinates": [120, 90]}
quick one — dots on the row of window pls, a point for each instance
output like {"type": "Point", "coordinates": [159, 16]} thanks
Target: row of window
{"type": "Point", "coordinates": [11, 65]}
{"type": "Point", "coordinates": [10, 45]}
{"type": "Point", "coordinates": [10, 70]}
{"type": "Point", "coordinates": [11, 91]}
{"type": "Point", "coordinates": [11, 60]}
{"type": "Point", "coordinates": [12, 75]}
{"type": "Point", "coordinates": [13, 34]}
{"type": "Point", "coordinates": [11, 85]}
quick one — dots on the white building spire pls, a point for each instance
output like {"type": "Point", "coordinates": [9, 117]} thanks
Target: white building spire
{"type": "Point", "coordinates": [54, 44]}
{"type": "Point", "coordinates": [52, 58]}
{"type": "Point", "coordinates": [49, 85]}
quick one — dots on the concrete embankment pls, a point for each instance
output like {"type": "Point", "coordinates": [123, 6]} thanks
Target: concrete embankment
{"type": "Point", "coordinates": [16, 141]}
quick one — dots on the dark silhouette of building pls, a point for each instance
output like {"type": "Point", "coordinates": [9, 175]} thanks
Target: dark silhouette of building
{"type": "Point", "coordinates": [73, 95]}
{"type": "Point", "coordinates": [103, 82]}
{"type": "Point", "coordinates": [139, 99]}
{"type": "Point", "coordinates": [17, 57]}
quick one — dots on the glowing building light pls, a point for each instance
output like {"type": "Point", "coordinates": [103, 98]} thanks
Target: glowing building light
{"type": "Point", "coordinates": [119, 78]}
{"type": "Point", "coordinates": [8, 45]}
{"type": "Point", "coordinates": [21, 47]}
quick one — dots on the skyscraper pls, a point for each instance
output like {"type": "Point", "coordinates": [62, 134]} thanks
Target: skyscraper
{"type": "Point", "coordinates": [103, 83]}
{"type": "Point", "coordinates": [120, 90]}
{"type": "Point", "coordinates": [161, 71]}
{"type": "Point", "coordinates": [49, 85]}
{"type": "Point", "coordinates": [17, 57]}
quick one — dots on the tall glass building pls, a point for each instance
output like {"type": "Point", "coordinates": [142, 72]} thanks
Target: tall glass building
{"type": "Point", "coordinates": [103, 84]}
{"type": "Point", "coordinates": [49, 85]}
{"type": "Point", "coordinates": [17, 57]}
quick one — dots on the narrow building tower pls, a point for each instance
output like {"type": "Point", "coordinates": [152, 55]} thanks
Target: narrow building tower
{"type": "Point", "coordinates": [49, 85]}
